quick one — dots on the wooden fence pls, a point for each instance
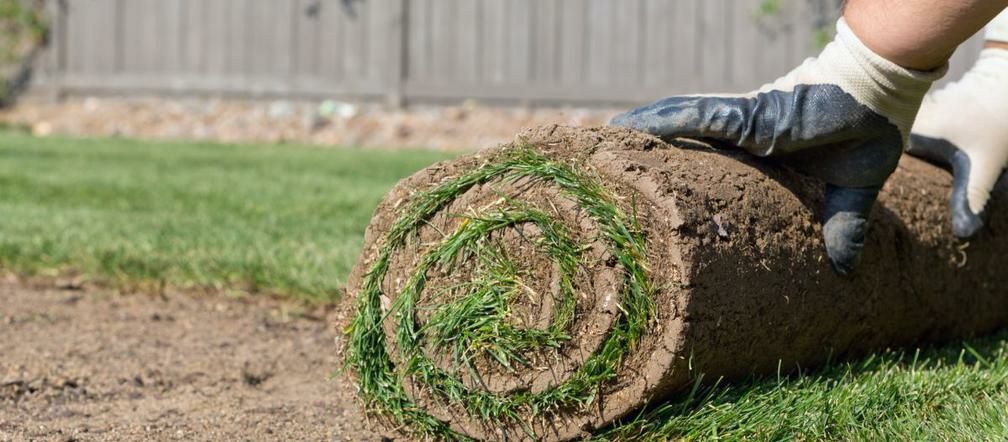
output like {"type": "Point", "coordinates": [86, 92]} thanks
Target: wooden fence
{"type": "Point", "coordinates": [525, 51]}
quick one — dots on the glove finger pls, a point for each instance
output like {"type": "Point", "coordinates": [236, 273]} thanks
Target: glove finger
{"type": "Point", "coordinates": [846, 223]}
{"type": "Point", "coordinates": [965, 222]}
{"type": "Point", "coordinates": [766, 123]}
{"type": "Point", "coordinates": [720, 118]}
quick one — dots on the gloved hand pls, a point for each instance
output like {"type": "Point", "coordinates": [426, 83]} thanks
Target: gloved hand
{"type": "Point", "coordinates": [844, 117]}
{"type": "Point", "coordinates": [962, 127]}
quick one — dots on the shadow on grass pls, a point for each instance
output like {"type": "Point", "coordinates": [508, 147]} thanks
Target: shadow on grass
{"type": "Point", "coordinates": [929, 392]}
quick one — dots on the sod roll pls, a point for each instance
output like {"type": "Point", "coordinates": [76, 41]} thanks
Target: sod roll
{"type": "Point", "coordinates": [547, 288]}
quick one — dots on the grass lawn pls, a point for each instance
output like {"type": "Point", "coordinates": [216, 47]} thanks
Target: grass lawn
{"type": "Point", "coordinates": [281, 219]}
{"type": "Point", "coordinates": [949, 393]}
{"type": "Point", "coordinates": [289, 220]}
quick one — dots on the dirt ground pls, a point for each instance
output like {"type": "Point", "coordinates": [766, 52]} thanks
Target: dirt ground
{"type": "Point", "coordinates": [83, 365]}
{"type": "Point", "coordinates": [465, 127]}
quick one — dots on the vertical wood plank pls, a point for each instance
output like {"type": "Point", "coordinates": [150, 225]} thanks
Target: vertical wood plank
{"type": "Point", "coordinates": [332, 42]}
{"type": "Point", "coordinates": [388, 32]}
{"type": "Point", "coordinates": [495, 40]}
{"type": "Point", "coordinates": [599, 30]}
{"type": "Point", "coordinates": [56, 62]}
{"type": "Point", "coordinates": [193, 26]}
{"type": "Point", "coordinates": [74, 34]}
{"type": "Point", "coordinates": [236, 52]}
{"type": "Point", "coordinates": [418, 28]}
{"type": "Point", "coordinates": [684, 73]}
{"type": "Point", "coordinates": [444, 40]}
{"type": "Point", "coordinates": [658, 41]}
{"type": "Point", "coordinates": [803, 36]}
{"type": "Point", "coordinates": [624, 34]}
{"type": "Point", "coordinates": [519, 41]}
{"type": "Point", "coordinates": [260, 37]}
{"type": "Point", "coordinates": [765, 44]}
{"type": "Point", "coordinates": [546, 38]}
{"type": "Point", "coordinates": [102, 24]}
{"type": "Point", "coordinates": [131, 38]}
{"type": "Point", "coordinates": [382, 36]}
{"type": "Point", "coordinates": [573, 41]}
{"type": "Point", "coordinates": [468, 40]}
{"type": "Point", "coordinates": [711, 55]}
{"type": "Point", "coordinates": [354, 15]}
{"type": "Point", "coordinates": [308, 19]}
{"type": "Point", "coordinates": [744, 46]}
{"type": "Point", "coordinates": [149, 36]}
{"type": "Point", "coordinates": [166, 44]}
{"type": "Point", "coordinates": [215, 40]}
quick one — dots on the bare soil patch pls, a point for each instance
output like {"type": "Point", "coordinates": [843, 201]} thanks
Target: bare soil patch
{"type": "Point", "coordinates": [454, 128]}
{"type": "Point", "coordinates": [82, 365]}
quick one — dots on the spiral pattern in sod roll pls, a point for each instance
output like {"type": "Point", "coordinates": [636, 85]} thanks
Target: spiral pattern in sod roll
{"type": "Point", "coordinates": [500, 301]}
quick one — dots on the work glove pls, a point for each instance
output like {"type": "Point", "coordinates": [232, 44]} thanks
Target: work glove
{"type": "Point", "coordinates": [844, 117]}
{"type": "Point", "coordinates": [962, 127]}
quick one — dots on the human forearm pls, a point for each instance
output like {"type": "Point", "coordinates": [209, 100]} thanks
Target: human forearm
{"type": "Point", "coordinates": [918, 34]}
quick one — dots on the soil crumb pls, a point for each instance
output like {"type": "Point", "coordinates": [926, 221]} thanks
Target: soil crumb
{"type": "Point", "coordinates": [95, 366]}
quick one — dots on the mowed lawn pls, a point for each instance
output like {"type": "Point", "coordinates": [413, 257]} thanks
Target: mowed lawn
{"type": "Point", "coordinates": [280, 219]}
{"type": "Point", "coordinates": [289, 220]}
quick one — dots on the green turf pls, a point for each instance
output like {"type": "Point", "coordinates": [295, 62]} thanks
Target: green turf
{"type": "Point", "coordinates": [283, 219]}
{"type": "Point", "coordinates": [289, 219]}
{"type": "Point", "coordinates": [950, 393]}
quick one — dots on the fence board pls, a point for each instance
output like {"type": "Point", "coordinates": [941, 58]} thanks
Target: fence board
{"type": "Point", "coordinates": [545, 38]}
{"type": "Point", "coordinates": [495, 41]}
{"type": "Point", "coordinates": [573, 41]}
{"type": "Point", "coordinates": [535, 51]}
{"type": "Point", "coordinates": [519, 43]}
{"type": "Point", "coordinates": [91, 36]}
{"type": "Point", "coordinates": [332, 46]}
{"type": "Point", "coordinates": [418, 23]}
{"type": "Point", "coordinates": [193, 53]}
{"type": "Point", "coordinates": [686, 69]}
{"type": "Point", "coordinates": [467, 40]}
{"type": "Point", "coordinates": [354, 15]}
{"type": "Point", "coordinates": [211, 39]}
{"type": "Point", "coordinates": [599, 41]}
{"type": "Point", "coordinates": [308, 24]}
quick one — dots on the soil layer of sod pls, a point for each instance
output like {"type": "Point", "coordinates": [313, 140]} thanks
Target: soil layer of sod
{"type": "Point", "coordinates": [546, 288]}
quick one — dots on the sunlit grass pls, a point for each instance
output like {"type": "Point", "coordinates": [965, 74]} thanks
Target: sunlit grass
{"type": "Point", "coordinates": [951, 393]}
{"type": "Point", "coordinates": [282, 219]}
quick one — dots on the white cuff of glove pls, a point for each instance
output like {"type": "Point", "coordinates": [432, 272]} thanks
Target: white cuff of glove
{"type": "Point", "coordinates": [885, 87]}
{"type": "Point", "coordinates": [997, 29]}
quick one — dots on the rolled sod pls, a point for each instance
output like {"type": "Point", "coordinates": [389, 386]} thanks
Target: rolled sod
{"type": "Point", "coordinates": [546, 288]}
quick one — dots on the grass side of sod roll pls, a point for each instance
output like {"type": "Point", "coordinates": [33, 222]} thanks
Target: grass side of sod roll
{"type": "Point", "coordinates": [380, 382]}
{"type": "Point", "coordinates": [290, 219]}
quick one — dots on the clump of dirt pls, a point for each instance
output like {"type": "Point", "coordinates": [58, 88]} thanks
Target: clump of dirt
{"type": "Point", "coordinates": [95, 365]}
{"type": "Point", "coordinates": [729, 257]}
